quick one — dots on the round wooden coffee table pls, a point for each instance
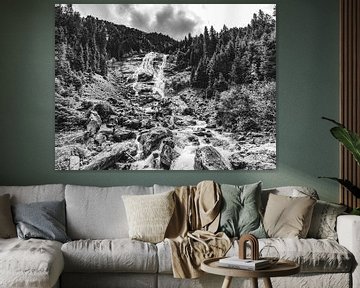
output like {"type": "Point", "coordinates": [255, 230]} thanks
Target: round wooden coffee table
{"type": "Point", "coordinates": [281, 268]}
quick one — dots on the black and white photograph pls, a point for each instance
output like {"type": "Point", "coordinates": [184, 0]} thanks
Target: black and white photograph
{"type": "Point", "coordinates": [165, 86]}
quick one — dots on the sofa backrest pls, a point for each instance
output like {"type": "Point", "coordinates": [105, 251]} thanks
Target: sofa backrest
{"type": "Point", "coordinates": [35, 193]}
{"type": "Point", "coordinates": [98, 212]}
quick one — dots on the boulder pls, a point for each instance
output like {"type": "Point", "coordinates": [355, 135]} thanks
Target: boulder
{"type": "Point", "coordinates": [145, 76]}
{"type": "Point", "coordinates": [100, 138]}
{"type": "Point", "coordinates": [121, 135]}
{"type": "Point", "coordinates": [151, 140]}
{"type": "Point", "coordinates": [237, 161]}
{"type": "Point", "coordinates": [167, 156]}
{"type": "Point", "coordinates": [208, 158]}
{"type": "Point", "coordinates": [113, 121]}
{"type": "Point", "coordinates": [106, 160]}
{"type": "Point", "coordinates": [74, 163]}
{"type": "Point", "coordinates": [133, 124]}
{"type": "Point", "coordinates": [93, 124]}
{"type": "Point", "coordinates": [104, 109]}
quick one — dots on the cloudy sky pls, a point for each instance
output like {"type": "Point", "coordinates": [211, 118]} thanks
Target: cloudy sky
{"type": "Point", "coordinates": [175, 20]}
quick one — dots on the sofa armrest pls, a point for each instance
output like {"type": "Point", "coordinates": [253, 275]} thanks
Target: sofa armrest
{"type": "Point", "coordinates": [348, 230]}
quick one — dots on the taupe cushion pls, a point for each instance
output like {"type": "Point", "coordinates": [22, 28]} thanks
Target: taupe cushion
{"type": "Point", "coordinates": [287, 216]}
{"type": "Point", "coordinates": [30, 263]}
{"type": "Point", "coordinates": [98, 213]}
{"type": "Point", "coordinates": [291, 191]}
{"type": "Point", "coordinates": [117, 255]}
{"type": "Point", "coordinates": [149, 215]}
{"type": "Point", "coordinates": [7, 226]}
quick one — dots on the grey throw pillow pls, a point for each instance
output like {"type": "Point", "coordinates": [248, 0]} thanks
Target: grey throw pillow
{"type": "Point", "coordinates": [240, 213]}
{"type": "Point", "coordinates": [44, 220]}
{"type": "Point", "coordinates": [323, 222]}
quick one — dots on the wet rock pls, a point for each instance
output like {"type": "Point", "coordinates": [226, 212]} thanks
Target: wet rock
{"type": "Point", "coordinates": [208, 158]}
{"type": "Point", "coordinates": [113, 121]}
{"type": "Point", "coordinates": [93, 123]}
{"type": "Point", "coordinates": [74, 163]}
{"type": "Point", "coordinates": [194, 140]}
{"type": "Point", "coordinates": [133, 124]}
{"type": "Point", "coordinates": [237, 161]}
{"type": "Point", "coordinates": [66, 157]}
{"type": "Point", "coordinates": [151, 140]}
{"type": "Point", "coordinates": [104, 110]}
{"type": "Point", "coordinates": [145, 76]}
{"type": "Point", "coordinates": [121, 135]}
{"type": "Point", "coordinates": [167, 156]}
{"type": "Point", "coordinates": [86, 105]}
{"type": "Point", "coordinates": [188, 111]}
{"type": "Point", "coordinates": [107, 159]}
{"type": "Point", "coordinates": [100, 139]}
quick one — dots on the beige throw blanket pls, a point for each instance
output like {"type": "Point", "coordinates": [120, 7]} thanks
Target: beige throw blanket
{"type": "Point", "coordinates": [191, 231]}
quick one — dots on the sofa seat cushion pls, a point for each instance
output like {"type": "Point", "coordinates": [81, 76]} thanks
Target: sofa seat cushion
{"type": "Point", "coordinates": [313, 255]}
{"type": "Point", "coordinates": [110, 255]}
{"type": "Point", "coordinates": [30, 263]}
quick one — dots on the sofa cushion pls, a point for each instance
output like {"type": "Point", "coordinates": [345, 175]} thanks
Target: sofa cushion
{"type": "Point", "coordinates": [291, 191]}
{"type": "Point", "coordinates": [323, 222]}
{"type": "Point", "coordinates": [7, 226]}
{"type": "Point", "coordinates": [43, 220]}
{"type": "Point", "coordinates": [240, 210]}
{"type": "Point", "coordinates": [149, 215]}
{"type": "Point", "coordinates": [287, 216]}
{"type": "Point", "coordinates": [35, 193]}
{"type": "Point", "coordinates": [98, 213]}
{"type": "Point", "coordinates": [313, 255]}
{"type": "Point", "coordinates": [30, 263]}
{"type": "Point", "coordinates": [117, 255]}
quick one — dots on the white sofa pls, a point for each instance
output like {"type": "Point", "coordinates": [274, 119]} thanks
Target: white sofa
{"type": "Point", "coordinates": [101, 254]}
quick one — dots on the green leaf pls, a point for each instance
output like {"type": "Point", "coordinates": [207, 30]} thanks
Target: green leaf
{"type": "Point", "coordinates": [348, 138]}
{"type": "Point", "coordinates": [347, 184]}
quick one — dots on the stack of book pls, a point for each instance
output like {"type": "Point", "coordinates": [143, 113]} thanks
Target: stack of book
{"type": "Point", "coordinates": [248, 264]}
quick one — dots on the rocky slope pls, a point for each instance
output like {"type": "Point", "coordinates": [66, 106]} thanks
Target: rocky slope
{"type": "Point", "coordinates": [145, 116]}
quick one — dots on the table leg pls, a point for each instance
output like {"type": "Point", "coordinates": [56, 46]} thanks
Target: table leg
{"type": "Point", "coordinates": [267, 283]}
{"type": "Point", "coordinates": [254, 282]}
{"type": "Point", "coordinates": [227, 282]}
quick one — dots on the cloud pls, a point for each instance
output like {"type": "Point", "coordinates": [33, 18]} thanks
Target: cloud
{"type": "Point", "coordinates": [139, 20]}
{"type": "Point", "coordinates": [177, 24]}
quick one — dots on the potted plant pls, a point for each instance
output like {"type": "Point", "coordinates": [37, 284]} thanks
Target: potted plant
{"type": "Point", "coordinates": [351, 141]}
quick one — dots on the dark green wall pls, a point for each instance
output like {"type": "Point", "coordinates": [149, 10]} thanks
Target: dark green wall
{"type": "Point", "coordinates": [307, 73]}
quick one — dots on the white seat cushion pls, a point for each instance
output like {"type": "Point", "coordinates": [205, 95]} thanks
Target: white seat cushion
{"type": "Point", "coordinates": [117, 255]}
{"type": "Point", "coordinates": [313, 255]}
{"type": "Point", "coordinates": [30, 263]}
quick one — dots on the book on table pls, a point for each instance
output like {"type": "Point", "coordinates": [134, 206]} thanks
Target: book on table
{"type": "Point", "coordinates": [249, 264]}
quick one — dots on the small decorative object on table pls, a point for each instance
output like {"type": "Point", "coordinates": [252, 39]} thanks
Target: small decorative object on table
{"type": "Point", "coordinates": [280, 268]}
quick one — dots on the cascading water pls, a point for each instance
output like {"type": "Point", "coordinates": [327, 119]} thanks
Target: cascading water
{"type": "Point", "coordinates": [159, 85]}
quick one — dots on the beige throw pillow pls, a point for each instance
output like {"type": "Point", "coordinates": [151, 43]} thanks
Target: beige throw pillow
{"type": "Point", "coordinates": [288, 217]}
{"type": "Point", "coordinates": [149, 215]}
{"type": "Point", "coordinates": [7, 226]}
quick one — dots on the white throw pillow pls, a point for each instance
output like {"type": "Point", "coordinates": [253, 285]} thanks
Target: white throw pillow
{"type": "Point", "coordinates": [149, 215]}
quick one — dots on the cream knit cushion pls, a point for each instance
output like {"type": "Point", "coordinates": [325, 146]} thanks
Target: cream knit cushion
{"type": "Point", "coordinates": [149, 215]}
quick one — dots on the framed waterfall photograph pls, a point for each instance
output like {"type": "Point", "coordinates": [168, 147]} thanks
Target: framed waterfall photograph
{"type": "Point", "coordinates": [165, 86]}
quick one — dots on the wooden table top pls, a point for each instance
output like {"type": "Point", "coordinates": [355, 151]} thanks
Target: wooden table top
{"type": "Point", "coordinates": [281, 268]}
